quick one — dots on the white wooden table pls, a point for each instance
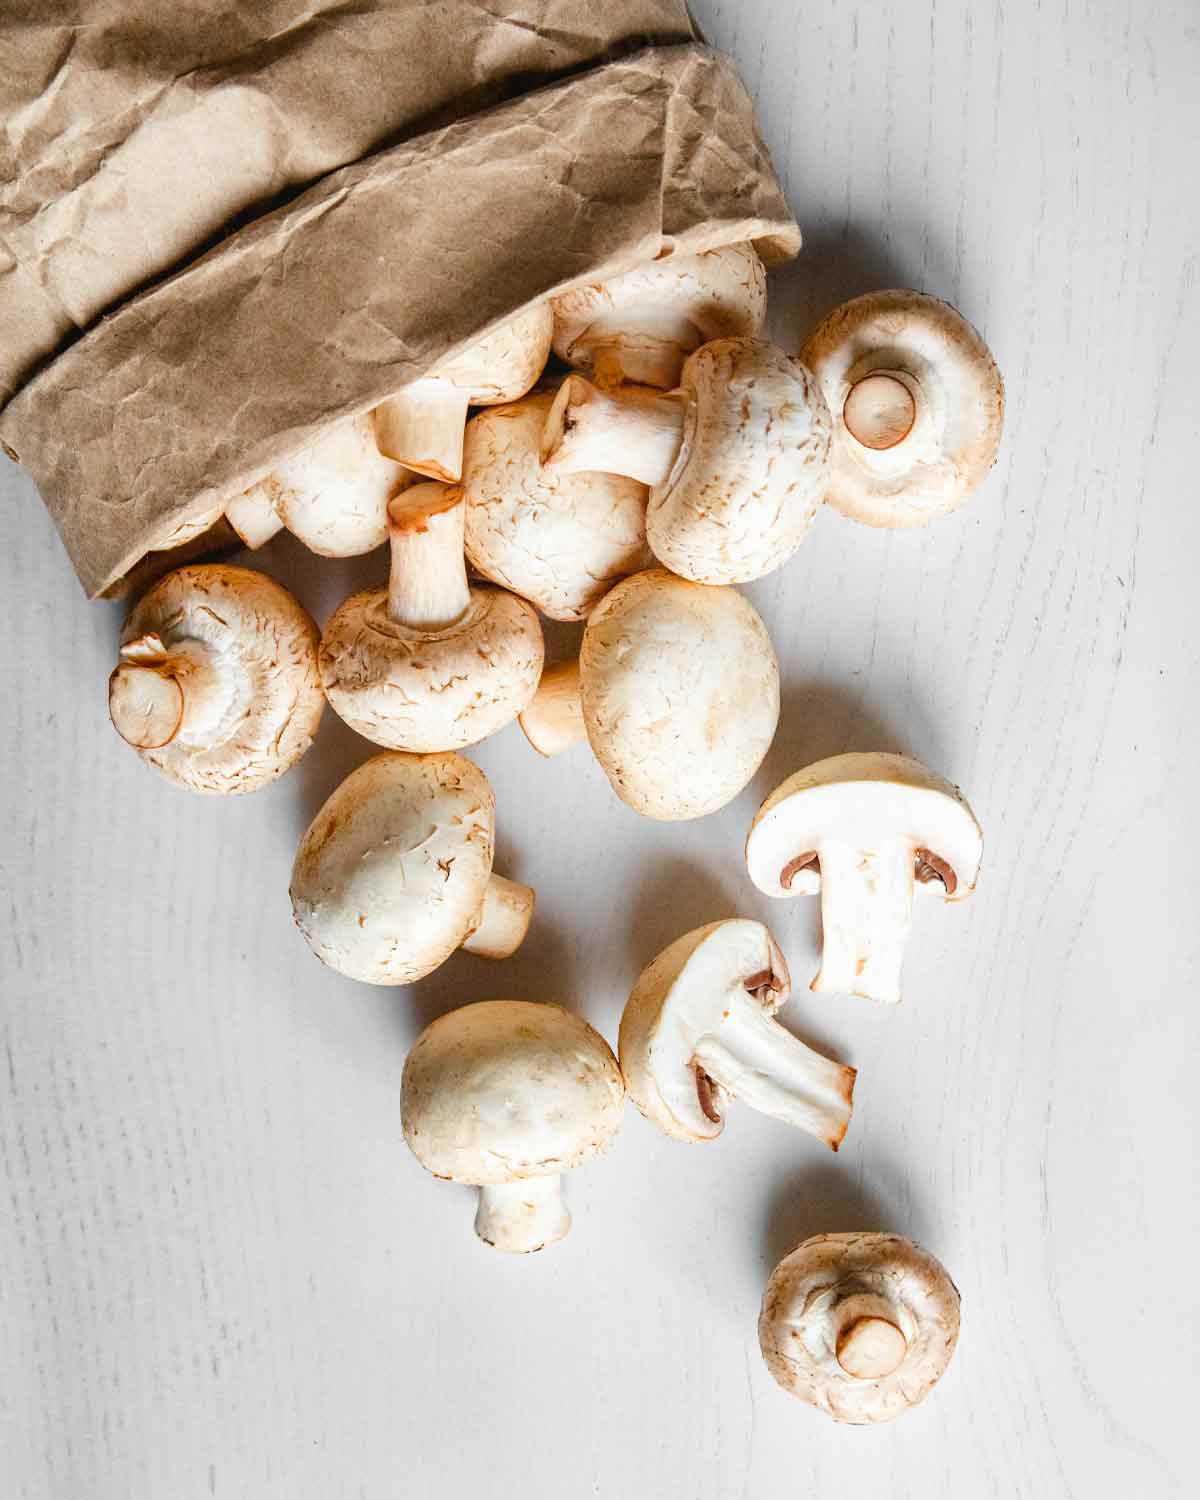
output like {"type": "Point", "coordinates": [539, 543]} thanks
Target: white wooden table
{"type": "Point", "coordinates": [221, 1273]}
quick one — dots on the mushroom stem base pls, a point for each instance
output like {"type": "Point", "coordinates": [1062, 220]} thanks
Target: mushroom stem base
{"type": "Point", "coordinates": [756, 1060]}
{"type": "Point", "coordinates": [422, 428]}
{"type": "Point", "coordinates": [519, 1217]}
{"type": "Point", "coordinates": [553, 721]}
{"type": "Point", "coordinates": [866, 911]}
{"type": "Point", "coordinates": [636, 433]}
{"type": "Point", "coordinates": [504, 919]}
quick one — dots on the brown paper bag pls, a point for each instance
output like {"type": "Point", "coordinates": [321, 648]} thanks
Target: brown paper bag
{"type": "Point", "coordinates": [191, 388]}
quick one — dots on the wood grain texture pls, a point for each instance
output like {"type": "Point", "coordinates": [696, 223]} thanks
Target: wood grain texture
{"type": "Point", "coordinates": [222, 1275]}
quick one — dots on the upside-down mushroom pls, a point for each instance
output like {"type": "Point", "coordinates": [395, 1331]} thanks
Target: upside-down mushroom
{"type": "Point", "coordinates": [737, 459]}
{"type": "Point", "coordinates": [430, 663]}
{"type": "Point", "coordinates": [560, 540]}
{"type": "Point", "coordinates": [422, 425]}
{"type": "Point", "coordinates": [863, 829]}
{"type": "Point", "coordinates": [642, 325]}
{"type": "Point", "coordinates": [507, 1096]}
{"type": "Point", "coordinates": [699, 1030]}
{"type": "Point", "coordinates": [395, 871]}
{"type": "Point", "coordinates": [217, 684]}
{"type": "Point", "coordinates": [861, 1326]}
{"type": "Point", "coordinates": [679, 695]}
{"type": "Point", "coordinates": [917, 404]}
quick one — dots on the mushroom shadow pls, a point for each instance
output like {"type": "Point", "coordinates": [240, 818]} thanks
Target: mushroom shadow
{"type": "Point", "coordinates": [824, 1198]}
{"type": "Point", "coordinates": [673, 895]}
{"type": "Point", "coordinates": [334, 753]}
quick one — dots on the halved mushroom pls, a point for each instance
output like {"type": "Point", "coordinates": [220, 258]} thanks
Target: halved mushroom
{"type": "Point", "coordinates": [395, 871]}
{"type": "Point", "coordinates": [863, 829]}
{"type": "Point", "coordinates": [642, 325]}
{"type": "Point", "coordinates": [333, 495]}
{"type": "Point", "coordinates": [506, 1096]}
{"type": "Point", "coordinates": [861, 1326]}
{"type": "Point", "coordinates": [560, 540]}
{"type": "Point", "coordinates": [217, 684]}
{"type": "Point", "coordinates": [254, 515]}
{"type": "Point", "coordinates": [699, 1030]}
{"type": "Point", "coordinates": [422, 425]}
{"type": "Point", "coordinates": [679, 690]}
{"type": "Point", "coordinates": [917, 403]}
{"type": "Point", "coordinates": [737, 458]}
{"type": "Point", "coordinates": [430, 663]}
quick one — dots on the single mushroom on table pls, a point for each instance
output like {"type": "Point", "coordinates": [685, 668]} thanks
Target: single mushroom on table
{"type": "Point", "coordinates": [430, 663]}
{"type": "Point", "coordinates": [217, 684]}
{"type": "Point", "coordinates": [699, 1030]}
{"type": "Point", "coordinates": [737, 458]}
{"type": "Point", "coordinates": [506, 1096]}
{"type": "Point", "coordinates": [395, 871]}
{"type": "Point", "coordinates": [917, 403]}
{"type": "Point", "coordinates": [641, 326]}
{"type": "Point", "coordinates": [560, 540]}
{"type": "Point", "coordinates": [863, 829]}
{"type": "Point", "coordinates": [861, 1326]}
{"type": "Point", "coordinates": [422, 425]}
{"type": "Point", "coordinates": [678, 695]}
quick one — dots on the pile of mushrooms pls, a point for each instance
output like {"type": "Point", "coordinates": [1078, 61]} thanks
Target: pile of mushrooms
{"type": "Point", "coordinates": [681, 455]}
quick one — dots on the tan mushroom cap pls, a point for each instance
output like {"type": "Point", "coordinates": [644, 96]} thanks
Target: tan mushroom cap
{"type": "Point", "coordinates": [752, 468]}
{"type": "Point", "coordinates": [232, 657]}
{"type": "Point", "coordinates": [560, 541]}
{"type": "Point", "coordinates": [917, 404]}
{"type": "Point", "coordinates": [861, 1326]}
{"type": "Point", "coordinates": [640, 326]}
{"type": "Point", "coordinates": [680, 689]}
{"type": "Point", "coordinates": [334, 494]}
{"type": "Point", "coordinates": [391, 875]}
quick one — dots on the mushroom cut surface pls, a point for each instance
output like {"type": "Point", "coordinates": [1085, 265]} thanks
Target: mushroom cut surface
{"type": "Point", "coordinates": [861, 1326]}
{"type": "Point", "coordinates": [917, 405]}
{"type": "Point", "coordinates": [217, 685]}
{"type": "Point", "coordinates": [680, 691]}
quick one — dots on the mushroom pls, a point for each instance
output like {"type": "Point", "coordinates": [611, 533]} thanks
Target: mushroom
{"type": "Point", "coordinates": [699, 1030]}
{"type": "Point", "coordinates": [917, 403]}
{"type": "Point", "coordinates": [395, 871]}
{"type": "Point", "coordinates": [187, 531]}
{"type": "Point", "coordinates": [679, 695]}
{"type": "Point", "coordinates": [253, 514]}
{"type": "Point", "coordinates": [430, 663]}
{"type": "Point", "coordinates": [422, 425]}
{"type": "Point", "coordinates": [560, 540]}
{"type": "Point", "coordinates": [641, 325]}
{"type": "Point", "coordinates": [506, 1096]}
{"type": "Point", "coordinates": [861, 829]}
{"type": "Point", "coordinates": [737, 458]}
{"type": "Point", "coordinates": [217, 684]}
{"type": "Point", "coordinates": [333, 494]}
{"type": "Point", "coordinates": [861, 1326]}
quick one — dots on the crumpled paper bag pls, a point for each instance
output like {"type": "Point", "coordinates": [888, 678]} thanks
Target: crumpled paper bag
{"type": "Point", "coordinates": [269, 325]}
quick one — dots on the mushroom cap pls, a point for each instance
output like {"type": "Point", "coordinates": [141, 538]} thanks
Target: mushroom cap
{"type": "Point", "coordinates": [959, 410]}
{"type": "Point", "coordinates": [333, 495]}
{"type": "Point", "coordinates": [679, 996]}
{"type": "Point", "coordinates": [718, 293]}
{"type": "Point", "coordinates": [752, 468]}
{"type": "Point", "coordinates": [858, 799]}
{"type": "Point", "coordinates": [422, 690]}
{"type": "Point", "coordinates": [680, 691]}
{"type": "Point", "coordinates": [263, 648]}
{"type": "Point", "coordinates": [390, 876]}
{"type": "Point", "coordinates": [828, 1282]}
{"type": "Point", "coordinates": [507, 362]}
{"type": "Point", "coordinates": [560, 540]}
{"type": "Point", "coordinates": [504, 1090]}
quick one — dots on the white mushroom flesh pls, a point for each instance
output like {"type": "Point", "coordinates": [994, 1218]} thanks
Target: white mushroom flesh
{"type": "Point", "coordinates": [334, 494]}
{"type": "Point", "coordinates": [863, 830]}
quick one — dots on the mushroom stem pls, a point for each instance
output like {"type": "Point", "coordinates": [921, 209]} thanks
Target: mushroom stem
{"type": "Point", "coordinates": [428, 588]}
{"type": "Point", "coordinates": [635, 433]}
{"type": "Point", "coordinates": [253, 515]}
{"type": "Point", "coordinates": [521, 1216]}
{"type": "Point", "coordinates": [756, 1060]}
{"type": "Point", "coordinates": [870, 1348]}
{"type": "Point", "coordinates": [422, 427]}
{"type": "Point", "coordinates": [503, 919]}
{"type": "Point", "coordinates": [880, 409]}
{"type": "Point", "coordinates": [154, 695]}
{"type": "Point", "coordinates": [866, 911]}
{"type": "Point", "coordinates": [642, 347]}
{"type": "Point", "coordinates": [553, 721]}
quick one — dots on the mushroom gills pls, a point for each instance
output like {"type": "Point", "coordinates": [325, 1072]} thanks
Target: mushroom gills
{"type": "Point", "coordinates": [523, 1216]}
